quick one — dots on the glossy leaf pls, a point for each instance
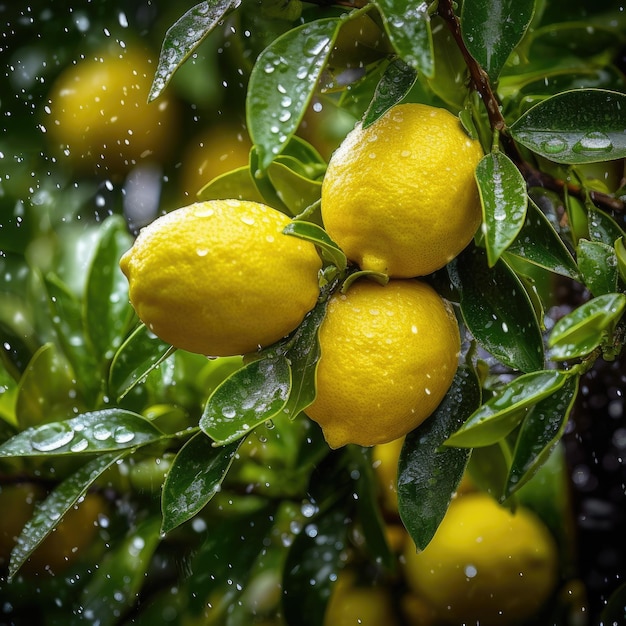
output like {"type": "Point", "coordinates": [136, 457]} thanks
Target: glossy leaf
{"type": "Point", "coordinates": [428, 474]}
{"type": "Point", "coordinates": [50, 511]}
{"type": "Point", "coordinates": [493, 28]}
{"type": "Point", "coordinates": [602, 227]}
{"type": "Point", "coordinates": [247, 398]}
{"type": "Point", "coordinates": [135, 359]}
{"type": "Point", "coordinates": [294, 189]}
{"type": "Point", "coordinates": [620, 251]}
{"type": "Point", "coordinates": [99, 431]}
{"type": "Point", "coordinates": [195, 476]}
{"type": "Point", "coordinates": [395, 83]}
{"type": "Point", "coordinates": [282, 82]}
{"type": "Point", "coordinates": [598, 266]}
{"type": "Point", "coordinates": [497, 417]}
{"type": "Point", "coordinates": [317, 235]}
{"type": "Point", "coordinates": [407, 23]}
{"type": "Point", "coordinates": [236, 184]}
{"type": "Point", "coordinates": [541, 430]}
{"type": "Point", "coordinates": [578, 333]}
{"type": "Point", "coordinates": [504, 200]}
{"type": "Point", "coordinates": [497, 310]}
{"type": "Point", "coordinates": [578, 126]}
{"type": "Point", "coordinates": [184, 36]}
{"type": "Point", "coordinates": [538, 243]}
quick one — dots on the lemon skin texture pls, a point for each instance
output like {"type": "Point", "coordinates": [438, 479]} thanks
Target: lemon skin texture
{"type": "Point", "coordinates": [388, 356]}
{"type": "Point", "coordinates": [100, 115]}
{"type": "Point", "coordinates": [399, 197]}
{"type": "Point", "coordinates": [485, 564]}
{"type": "Point", "coordinates": [220, 278]}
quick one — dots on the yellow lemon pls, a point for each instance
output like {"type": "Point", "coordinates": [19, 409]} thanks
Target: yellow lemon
{"type": "Point", "coordinates": [220, 278]}
{"type": "Point", "coordinates": [388, 356]}
{"type": "Point", "coordinates": [485, 564]}
{"type": "Point", "coordinates": [385, 458]}
{"type": "Point", "coordinates": [399, 196]}
{"type": "Point", "coordinates": [100, 116]}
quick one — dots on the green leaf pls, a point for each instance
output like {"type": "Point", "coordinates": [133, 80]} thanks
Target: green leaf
{"type": "Point", "coordinates": [493, 28]}
{"type": "Point", "coordinates": [578, 333]}
{"type": "Point", "coordinates": [620, 251]}
{"type": "Point", "coordinates": [236, 184]}
{"type": "Point", "coordinates": [195, 476]}
{"type": "Point", "coordinates": [598, 266]}
{"type": "Point", "coordinates": [497, 310]}
{"type": "Point", "coordinates": [50, 512]}
{"type": "Point", "coordinates": [282, 82]}
{"type": "Point", "coordinates": [136, 358]}
{"type": "Point", "coordinates": [394, 85]}
{"type": "Point", "coordinates": [317, 235]}
{"type": "Point", "coordinates": [497, 417]}
{"type": "Point", "coordinates": [98, 431]}
{"type": "Point", "coordinates": [541, 430]}
{"type": "Point", "coordinates": [538, 243]}
{"type": "Point", "coordinates": [577, 126]}
{"type": "Point", "coordinates": [407, 23]}
{"type": "Point", "coordinates": [295, 190]}
{"type": "Point", "coordinates": [602, 227]}
{"type": "Point", "coordinates": [504, 201]}
{"type": "Point", "coordinates": [184, 36]}
{"type": "Point", "coordinates": [247, 398]}
{"type": "Point", "coordinates": [428, 474]}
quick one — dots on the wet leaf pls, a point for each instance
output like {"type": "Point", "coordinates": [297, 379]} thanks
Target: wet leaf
{"type": "Point", "coordinates": [497, 310]}
{"type": "Point", "coordinates": [578, 333]}
{"type": "Point", "coordinates": [493, 28]}
{"type": "Point", "coordinates": [236, 184]}
{"type": "Point", "coordinates": [247, 398]}
{"type": "Point", "coordinates": [184, 36]}
{"type": "Point", "coordinates": [577, 126]}
{"type": "Point", "coordinates": [541, 430]}
{"type": "Point", "coordinates": [195, 476]}
{"type": "Point", "coordinates": [317, 235]}
{"type": "Point", "coordinates": [395, 83]}
{"type": "Point", "coordinates": [598, 266]}
{"type": "Point", "coordinates": [538, 243]}
{"type": "Point", "coordinates": [407, 23]}
{"type": "Point", "coordinates": [497, 417]}
{"type": "Point", "coordinates": [620, 251]}
{"type": "Point", "coordinates": [282, 83]}
{"type": "Point", "coordinates": [428, 474]}
{"type": "Point", "coordinates": [98, 431]}
{"type": "Point", "coordinates": [136, 358]}
{"type": "Point", "coordinates": [50, 512]}
{"type": "Point", "coordinates": [295, 190]}
{"type": "Point", "coordinates": [504, 201]}
{"type": "Point", "coordinates": [602, 227]}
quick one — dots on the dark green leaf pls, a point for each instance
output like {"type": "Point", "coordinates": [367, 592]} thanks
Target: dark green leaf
{"type": "Point", "coordinates": [136, 358]}
{"type": "Point", "coordinates": [497, 417]}
{"type": "Point", "coordinates": [578, 126]}
{"type": "Point", "coordinates": [247, 398]}
{"type": "Point", "coordinates": [538, 243]}
{"type": "Point", "coordinates": [317, 235]}
{"type": "Point", "coordinates": [295, 190]}
{"type": "Point", "coordinates": [504, 200]}
{"type": "Point", "coordinates": [282, 82]}
{"type": "Point", "coordinates": [236, 184]}
{"type": "Point", "coordinates": [195, 477]}
{"type": "Point", "coordinates": [184, 36]}
{"type": "Point", "coordinates": [50, 512]}
{"type": "Point", "coordinates": [493, 28]}
{"type": "Point", "coordinates": [407, 23]}
{"type": "Point", "coordinates": [427, 474]}
{"type": "Point", "coordinates": [620, 251]}
{"type": "Point", "coordinates": [581, 331]}
{"type": "Point", "coordinates": [98, 431]}
{"type": "Point", "coordinates": [497, 310]}
{"type": "Point", "coordinates": [602, 227]}
{"type": "Point", "coordinates": [598, 266]}
{"type": "Point", "coordinates": [395, 83]}
{"type": "Point", "coordinates": [540, 432]}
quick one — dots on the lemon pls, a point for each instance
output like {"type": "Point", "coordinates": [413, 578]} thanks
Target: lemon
{"type": "Point", "coordinates": [385, 457]}
{"type": "Point", "coordinates": [388, 356]}
{"type": "Point", "coordinates": [399, 196]}
{"type": "Point", "coordinates": [485, 564]}
{"type": "Point", "coordinates": [220, 278]}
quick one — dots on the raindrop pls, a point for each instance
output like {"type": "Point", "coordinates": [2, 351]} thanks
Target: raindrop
{"type": "Point", "coordinates": [79, 446]}
{"type": "Point", "coordinates": [52, 437]}
{"type": "Point", "coordinates": [595, 141]}
{"type": "Point", "coordinates": [101, 432]}
{"type": "Point", "coordinates": [123, 435]}
{"type": "Point", "coordinates": [554, 145]}
{"type": "Point", "coordinates": [229, 412]}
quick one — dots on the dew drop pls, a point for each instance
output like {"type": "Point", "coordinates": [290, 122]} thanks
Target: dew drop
{"type": "Point", "coordinates": [554, 145]}
{"type": "Point", "coordinates": [123, 435]}
{"type": "Point", "coordinates": [228, 412]}
{"type": "Point", "coordinates": [52, 437]}
{"type": "Point", "coordinates": [595, 141]}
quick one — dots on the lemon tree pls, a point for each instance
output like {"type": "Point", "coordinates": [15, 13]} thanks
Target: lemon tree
{"type": "Point", "coordinates": [451, 280]}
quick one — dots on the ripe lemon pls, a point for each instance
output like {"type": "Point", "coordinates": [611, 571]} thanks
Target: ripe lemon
{"type": "Point", "coordinates": [388, 356]}
{"type": "Point", "coordinates": [485, 564]}
{"type": "Point", "coordinates": [220, 278]}
{"type": "Point", "coordinates": [399, 196]}
{"type": "Point", "coordinates": [385, 458]}
{"type": "Point", "coordinates": [100, 116]}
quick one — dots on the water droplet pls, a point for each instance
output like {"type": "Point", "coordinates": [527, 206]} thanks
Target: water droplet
{"type": "Point", "coordinates": [229, 412]}
{"type": "Point", "coordinates": [101, 432]}
{"type": "Point", "coordinates": [52, 437]}
{"type": "Point", "coordinates": [202, 252]}
{"type": "Point", "coordinates": [595, 141]}
{"type": "Point", "coordinates": [79, 446]}
{"type": "Point", "coordinates": [123, 435]}
{"type": "Point", "coordinates": [554, 145]}
{"type": "Point", "coordinates": [247, 219]}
